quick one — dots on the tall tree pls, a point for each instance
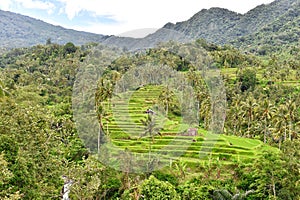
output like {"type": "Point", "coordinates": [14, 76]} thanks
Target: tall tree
{"type": "Point", "coordinates": [167, 98]}
{"type": "Point", "coordinates": [249, 108]}
{"type": "Point", "coordinates": [266, 113]}
{"type": "Point", "coordinates": [150, 127]}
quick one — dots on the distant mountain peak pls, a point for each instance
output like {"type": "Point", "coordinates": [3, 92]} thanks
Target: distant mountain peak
{"type": "Point", "coordinates": [221, 26]}
{"type": "Point", "coordinates": [216, 25]}
{"type": "Point", "coordinates": [17, 30]}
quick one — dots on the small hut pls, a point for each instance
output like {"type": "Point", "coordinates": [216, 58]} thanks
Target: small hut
{"type": "Point", "coordinates": [191, 132]}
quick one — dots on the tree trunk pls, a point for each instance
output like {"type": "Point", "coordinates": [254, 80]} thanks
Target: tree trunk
{"type": "Point", "coordinates": [99, 137]}
{"type": "Point", "coordinates": [99, 141]}
{"type": "Point", "coordinates": [265, 132]}
{"type": "Point", "coordinates": [274, 188]}
{"type": "Point", "coordinates": [285, 132]}
{"type": "Point", "coordinates": [167, 109]}
{"type": "Point", "coordinates": [198, 109]}
{"type": "Point", "coordinates": [290, 130]}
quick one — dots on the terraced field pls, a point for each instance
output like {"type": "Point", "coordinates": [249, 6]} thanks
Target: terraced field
{"type": "Point", "coordinates": [125, 128]}
{"type": "Point", "coordinates": [127, 111]}
{"type": "Point", "coordinates": [291, 79]}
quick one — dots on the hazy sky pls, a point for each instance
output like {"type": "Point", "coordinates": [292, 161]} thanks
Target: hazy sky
{"type": "Point", "coordinates": [118, 16]}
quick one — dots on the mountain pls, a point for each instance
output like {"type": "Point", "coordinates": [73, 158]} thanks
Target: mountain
{"type": "Point", "coordinates": [216, 25]}
{"type": "Point", "coordinates": [259, 17]}
{"type": "Point", "coordinates": [211, 25]}
{"type": "Point", "coordinates": [18, 31]}
{"type": "Point", "coordinates": [282, 33]}
{"type": "Point", "coordinates": [221, 26]}
{"type": "Point", "coordinates": [267, 26]}
{"type": "Point", "coordinates": [161, 35]}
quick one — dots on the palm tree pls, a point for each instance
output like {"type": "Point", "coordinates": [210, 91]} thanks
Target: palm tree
{"type": "Point", "coordinates": [102, 93]}
{"type": "Point", "coordinates": [292, 109]}
{"type": "Point", "coordinates": [180, 167]}
{"type": "Point", "coordinates": [224, 194]}
{"type": "Point", "coordinates": [200, 95]}
{"type": "Point", "coordinates": [3, 90]}
{"type": "Point", "coordinates": [167, 98]}
{"type": "Point", "coordinates": [267, 111]}
{"type": "Point", "coordinates": [249, 110]}
{"type": "Point", "coordinates": [234, 118]}
{"type": "Point", "coordinates": [150, 127]}
{"type": "Point", "coordinates": [100, 115]}
{"type": "Point", "coordinates": [205, 112]}
{"type": "Point", "coordinates": [282, 120]}
{"type": "Point", "coordinates": [277, 133]}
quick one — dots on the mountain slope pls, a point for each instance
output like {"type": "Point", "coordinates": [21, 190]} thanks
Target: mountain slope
{"type": "Point", "coordinates": [284, 32]}
{"type": "Point", "coordinates": [216, 25]}
{"type": "Point", "coordinates": [259, 17]}
{"type": "Point", "coordinates": [209, 24]}
{"type": "Point", "coordinates": [221, 26]}
{"type": "Point", "coordinates": [18, 31]}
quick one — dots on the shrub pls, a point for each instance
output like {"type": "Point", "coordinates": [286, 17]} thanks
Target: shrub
{"type": "Point", "coordinates": [153, 188]}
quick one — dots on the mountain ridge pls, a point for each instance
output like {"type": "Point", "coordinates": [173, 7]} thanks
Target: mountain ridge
{"type": "Point", "coordinates": [215, 25]}
{"type": "Point", "coordinates": [233, 25]}
{"type": "Point", "coordinates": [284, 32]}
{"type": "Point", "coordinates": [19, 30]}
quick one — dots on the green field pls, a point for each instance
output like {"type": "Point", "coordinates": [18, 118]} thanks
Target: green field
{"type": "Point", "coordinates": [124, 128]}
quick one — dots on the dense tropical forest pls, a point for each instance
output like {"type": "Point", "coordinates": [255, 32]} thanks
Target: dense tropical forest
{"type": "Point", "coordinates": [207, 108]}
{"type": "Point", "coordinates": [253, 154]}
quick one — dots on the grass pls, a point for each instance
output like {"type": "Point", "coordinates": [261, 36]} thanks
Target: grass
{"type": "Point", "coordinates": [125, 128]}
{"type": "Point", "coordinates": [291, 79]}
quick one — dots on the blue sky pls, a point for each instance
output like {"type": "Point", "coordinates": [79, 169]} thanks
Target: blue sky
{"type": "Point", "coordinates": [113, 17]}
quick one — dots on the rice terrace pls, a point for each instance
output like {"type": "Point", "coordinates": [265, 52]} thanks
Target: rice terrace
{"type": "Point", "coordinates": [198, 108]}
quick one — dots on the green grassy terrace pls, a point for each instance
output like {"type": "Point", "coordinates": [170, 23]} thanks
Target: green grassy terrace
{"type": "Point", "coordinates": [124, 127]}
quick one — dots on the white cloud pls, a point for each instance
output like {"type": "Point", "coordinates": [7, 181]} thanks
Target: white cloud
{"type": "Point", "coordinates": [35, 4]}
{"type": "Point", "coordinates": [5, 4]}
{"type": "Point", "coordinates": [129, 14]}
{"type": "Point", "coordinates": [135, 14]}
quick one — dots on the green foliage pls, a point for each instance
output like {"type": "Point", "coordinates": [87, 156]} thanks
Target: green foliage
{"type": "Point", "coordinates": [5, 176]}
{"type": "Point", "coordinates": [280, 34]}
{"type": "Point", "coordinates": [92, 180]}
{"type": "Point", "coordinates": [268, 177]}
{"type": "Point", "coordinates": [69, 48]}
{"type": "Point", "coordinates": [247, 80]}
{"type": "Point", "coordinates": [37, 134]}
{"type": "Point", "coordinates": [290, 183]}
{"type": "Point", "coordinates": [166, 177]}
{"type": "Point", "coordinates": [153, 189]}
{"type": "Point", "coordinates": [9, 146]}
{"type": "Point", "coordinates": [39, 142]}
{"type": "Point", "coordinates": [193, 191]}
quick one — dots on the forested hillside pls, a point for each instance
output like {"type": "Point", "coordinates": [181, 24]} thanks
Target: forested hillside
{"type": "Point", "coordinates": [222, 26]}
{"type": "Point", "coordinates": [212, 114]}
{"type": "Point", "coordinates": [211, 25]}
{"type": "Point", "coordinates": [22, 31]}
{"type": "Point", "coordinates": [216, 25]}
{"type": "Point", "coordinates": [257, 157]}
{"type": "Point", "coordinates": [282, 34]}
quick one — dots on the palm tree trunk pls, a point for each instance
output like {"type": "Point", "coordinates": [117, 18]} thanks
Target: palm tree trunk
{"type": "Point", "coordinates": [279, 145]}
{"type": "Point", "coordinates": [99, 141]}
{"type": "Point", "coordinates": [285, 132]}
{"type": "Point", "coordinates": [273, 187]}
{"type": "Point", "coordinates": [167, 109]}
{"type": "Point", "coordinates": [99, 137]}
{"type": "Point", "coordinates": [265, 132]}
{"type": "Point", "coordinates": [198, 108]}
{"type": "Point", "coordinates": [290, 130]}
{"type": "Point", "coordinates": [249, 122]}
